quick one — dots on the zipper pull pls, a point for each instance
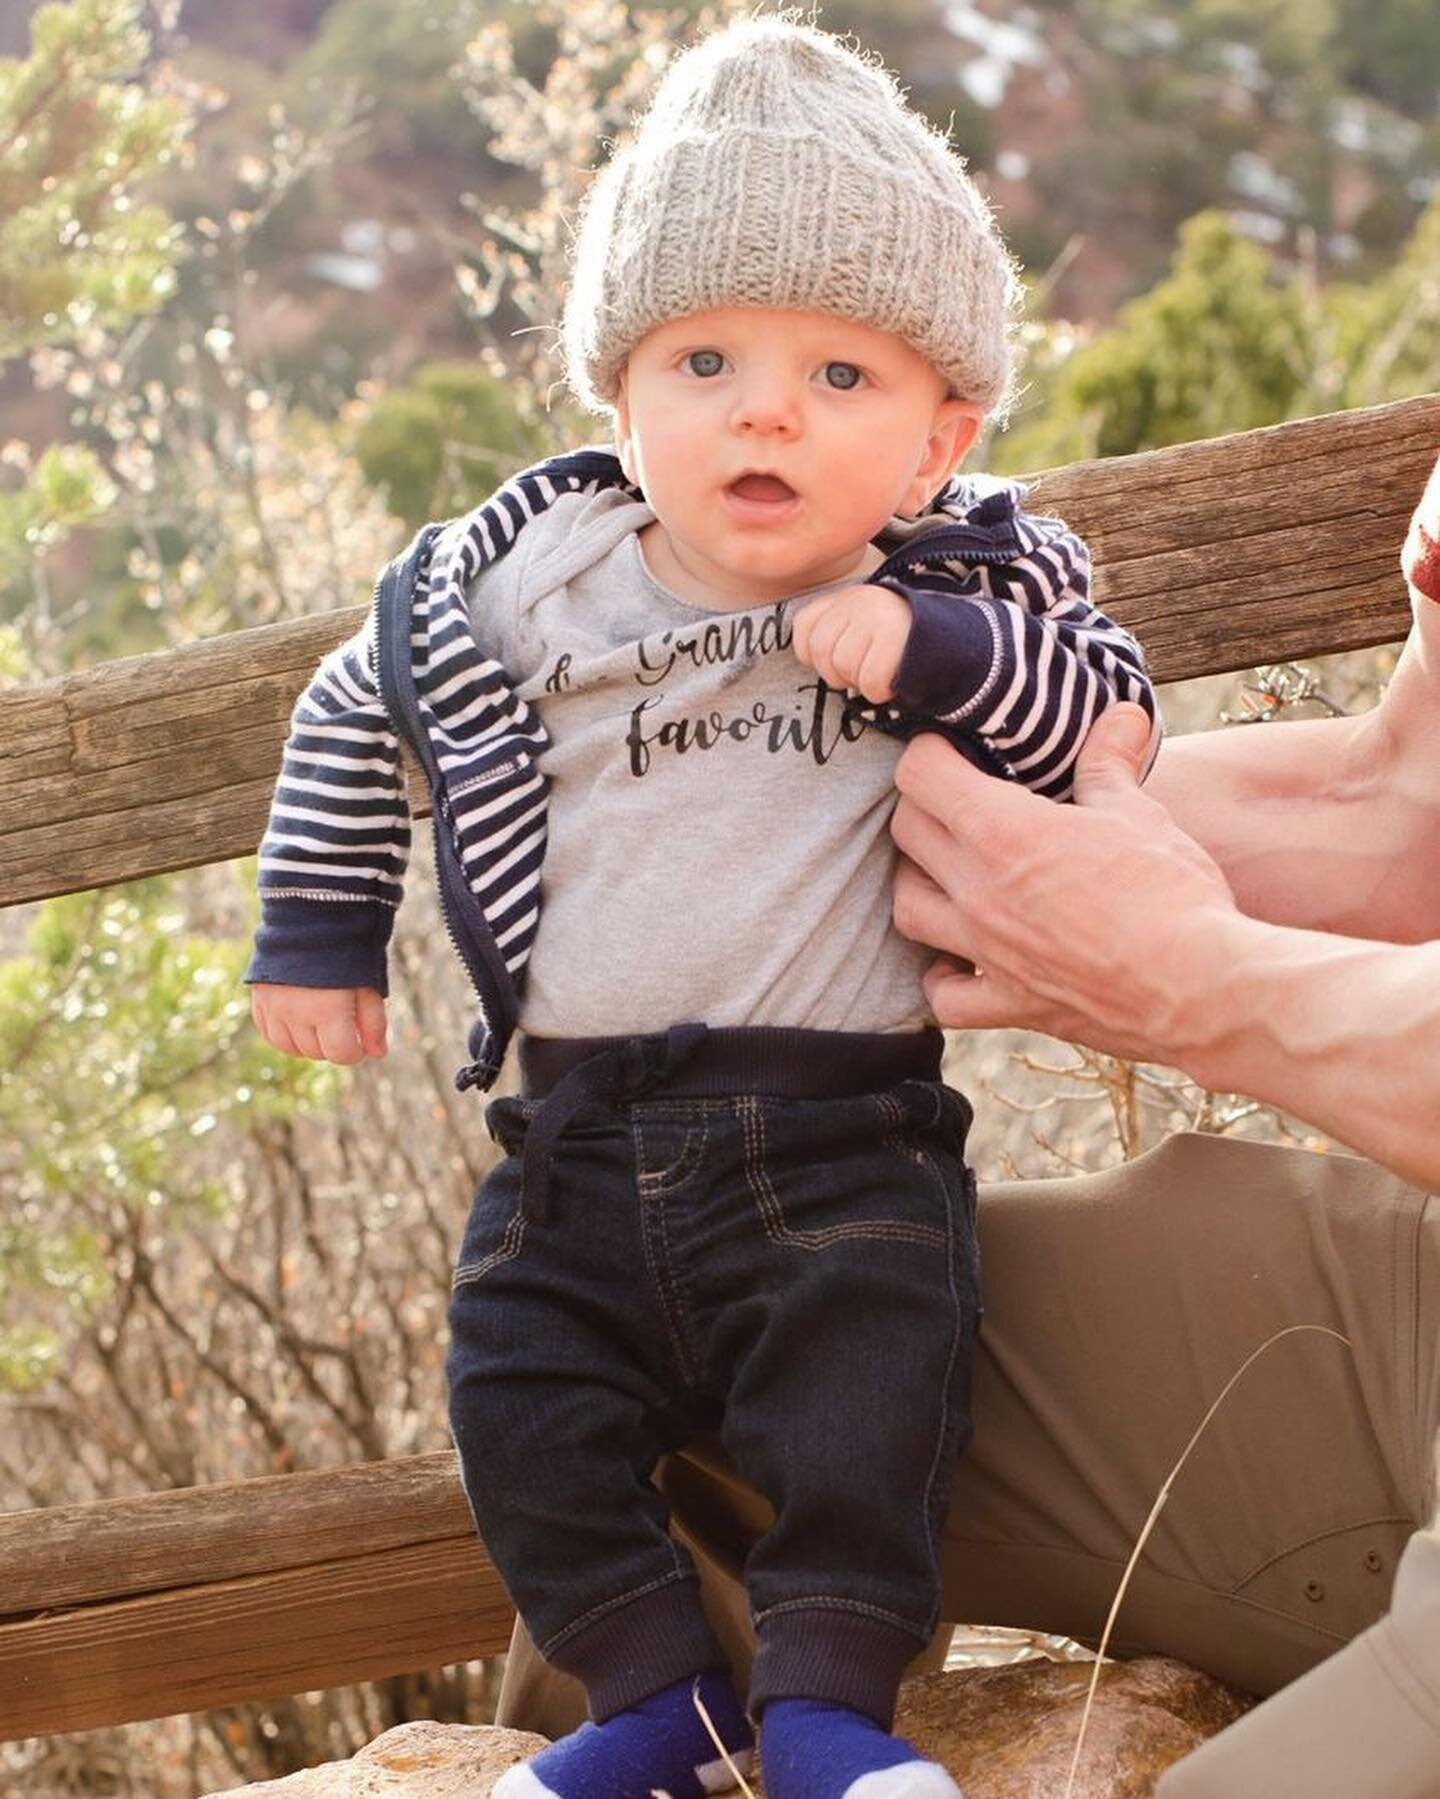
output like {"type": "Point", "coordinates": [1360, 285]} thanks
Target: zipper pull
{"type": "Point", "coordinates": [481, 1074]}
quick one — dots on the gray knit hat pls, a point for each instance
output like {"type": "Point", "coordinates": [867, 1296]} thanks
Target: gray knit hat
{"type": "Point", "coordinates": [775, 167]}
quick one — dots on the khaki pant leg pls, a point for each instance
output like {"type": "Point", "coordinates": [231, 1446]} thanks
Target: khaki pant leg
{"type": "Point", "coordinates": [1365, 1724]}
{"type": "Point", "coordinates": [1117, 1307]}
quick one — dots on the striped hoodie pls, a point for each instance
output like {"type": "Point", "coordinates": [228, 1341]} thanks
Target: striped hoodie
{"type": "Point", "coordinates": [1006, 657]}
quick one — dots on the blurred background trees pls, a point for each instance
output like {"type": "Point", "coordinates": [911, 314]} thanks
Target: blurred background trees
{"type": "Point", "coordinates": [277, 283]}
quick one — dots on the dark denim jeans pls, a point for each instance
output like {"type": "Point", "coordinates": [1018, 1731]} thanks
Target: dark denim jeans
{"type": "Point", "coordinates": [798, 1273]}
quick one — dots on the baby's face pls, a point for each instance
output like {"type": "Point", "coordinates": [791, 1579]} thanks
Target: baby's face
{"type": "Point", "coordinates": [773, 445]}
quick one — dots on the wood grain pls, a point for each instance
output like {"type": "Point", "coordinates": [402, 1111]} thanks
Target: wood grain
{"type": "Point", "coordinates": [137, 1608]}
{"type": "Point", "coordinates": [396, 1611]}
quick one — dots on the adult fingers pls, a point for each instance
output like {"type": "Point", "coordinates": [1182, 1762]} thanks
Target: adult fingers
{"type": "Point", "coordinates": [1112, 758]}
{"type": "Point", "coordinates": [971, 1001]}
{"type": "Point", "coordinates": [944, 854]}
{"type": "Point", "coordinates": [925, 913]}
{"type": "Point", "coordinates": [972, 807]}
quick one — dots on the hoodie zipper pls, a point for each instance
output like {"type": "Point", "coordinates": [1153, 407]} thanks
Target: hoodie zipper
{"type": "Point", "coordinates": [472, 939]}
{"type": "Point", "coordinates": [947, 546]}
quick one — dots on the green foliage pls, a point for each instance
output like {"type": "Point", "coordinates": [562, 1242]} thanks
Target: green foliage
{"type": "Point", "coordinates": [76, 135]}
{"type": "Point", "coordinates": [444, 439]}
{"type": "Point", "coordinates": [67, 487]}
{"type": "Point", "coordinates": [1223, 344]}
{"type": "Point", "coordinates": [1383, 337]}
{"type": "Point", "coordinates": [1216, 346]}
{"type": "Point", "coordinates": [129, 1055]}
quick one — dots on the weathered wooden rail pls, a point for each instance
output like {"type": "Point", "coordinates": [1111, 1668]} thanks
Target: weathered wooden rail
{"type": "Point", "coordinates": [1249, 549]}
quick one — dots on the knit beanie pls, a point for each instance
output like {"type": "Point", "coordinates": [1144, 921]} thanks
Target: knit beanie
{"type": "Point", "coordinates": [776, 167]}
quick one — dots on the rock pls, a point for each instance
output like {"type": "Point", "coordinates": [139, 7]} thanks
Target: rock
{"type": "Point", "coordinates": [420, 1760]}
{"type": "Point", "coordinates": [1004, 1733]}
{"type": "Point", "coordinates": [1009, 1733]}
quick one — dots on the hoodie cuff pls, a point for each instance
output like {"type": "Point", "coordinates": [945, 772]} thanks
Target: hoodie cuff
{"type": "Point", "coordinates": [950, 655]}
{"type": "Point", "coordinates": [322, 943]}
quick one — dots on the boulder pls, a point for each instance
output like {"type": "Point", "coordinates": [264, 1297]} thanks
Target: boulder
{"type": "Point", "coordinates": [1004, 1733]}
{"type": "Point", "coordinates": [1009, 1733]}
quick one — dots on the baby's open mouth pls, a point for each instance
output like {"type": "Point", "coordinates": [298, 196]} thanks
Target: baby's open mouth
{"type": "Point", "coordinates": [762, 487]}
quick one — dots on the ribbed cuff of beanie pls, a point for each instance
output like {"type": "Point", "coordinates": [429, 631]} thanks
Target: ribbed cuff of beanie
{"type": "Point", "coordinates": [1420, 559]}
{"type": "Point", "coordinates": [828, 1652]}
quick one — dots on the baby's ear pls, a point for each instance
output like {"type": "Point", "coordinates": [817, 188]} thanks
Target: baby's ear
{"type": "Point", "coordinates": [951, 435]}
{"type": "Point", "coordinates": [624, 440]}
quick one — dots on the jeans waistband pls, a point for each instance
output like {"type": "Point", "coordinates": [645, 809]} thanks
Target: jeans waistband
{"type": "Point", "coordinates": [690, 1061]}
{"type": "Point", "coordinates": [695, 1062]}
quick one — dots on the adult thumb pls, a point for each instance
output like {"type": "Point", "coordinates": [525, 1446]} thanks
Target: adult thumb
{"type": "Point", "coordinates": [1112, 757]}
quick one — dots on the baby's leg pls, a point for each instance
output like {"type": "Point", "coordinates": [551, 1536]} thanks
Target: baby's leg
{"type": "Point", "coordinates": [848, 1404]}
{"type": "Point", "coordinates": [561, 1403]}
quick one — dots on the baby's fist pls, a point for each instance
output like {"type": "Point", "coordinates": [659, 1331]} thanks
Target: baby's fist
{"type": "Point", "coordinates": [855, 638]}
{"type": "Point", "coordinates": [327, 1024]}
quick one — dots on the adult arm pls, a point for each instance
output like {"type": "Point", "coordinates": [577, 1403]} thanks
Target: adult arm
{"type": "Point", "coordinates": [1123, 922]}
{"type": "Point", "coordinates": [1105, 924]}
{"type": "Point", "coordinates": [1333, 824]}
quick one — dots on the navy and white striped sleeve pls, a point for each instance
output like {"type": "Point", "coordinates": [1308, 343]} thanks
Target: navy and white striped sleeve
{"type": "Point", "coordinates": [1015, 665]}
{"type": "Point", "coordinates": [333, 858]}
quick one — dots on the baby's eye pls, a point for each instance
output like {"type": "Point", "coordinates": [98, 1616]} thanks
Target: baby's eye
{"type": "Point", "coordinates": [842, 375]}
{"type": "Point", "coordinates": [704, 362]}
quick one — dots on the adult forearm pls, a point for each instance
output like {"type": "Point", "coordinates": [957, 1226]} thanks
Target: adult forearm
{"type": "Point", "coordinates": [1331, 824]}
{"type": "Point", "coordinates": [1344, 1034]}
{"type": "Point", "coordinates": [1317, 824]}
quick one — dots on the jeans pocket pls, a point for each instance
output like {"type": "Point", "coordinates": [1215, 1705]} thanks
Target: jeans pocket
{"type": "Point", "coordinates": [832, 1172]}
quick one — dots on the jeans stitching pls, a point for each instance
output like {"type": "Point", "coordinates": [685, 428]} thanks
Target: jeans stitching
{"type": "Point", "coordinates": [506, 1251]}
{"type": "Point", "coordinates": [610, 1605]}
{"type": "Point", "coordinates": [858, 1606]}
{"type": "Point", "coordinates": [932, 1517]}
{"type": "Point", "coordinates": [652, 1220]}
{"type": "Point", "coordinates": [652, 1183]}
{"type": "Point", "coordinates": [772, 1212]}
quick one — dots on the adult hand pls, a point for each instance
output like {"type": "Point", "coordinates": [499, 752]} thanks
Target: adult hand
{"type": "Point", "coordinates": [1088, 922]}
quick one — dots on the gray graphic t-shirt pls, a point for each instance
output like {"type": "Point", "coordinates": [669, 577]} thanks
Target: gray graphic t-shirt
{"type": "Point", "coordinates": [718, 823]}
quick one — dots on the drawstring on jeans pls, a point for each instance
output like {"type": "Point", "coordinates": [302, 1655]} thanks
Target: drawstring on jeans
{"type": "Point", "coordinates": [627, 1071]}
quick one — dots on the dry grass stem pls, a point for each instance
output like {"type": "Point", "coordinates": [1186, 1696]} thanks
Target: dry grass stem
{"type": "Point", "coordinates": [1289, 1331]}
{"type": "Point", "coordinates": [709, 1724]}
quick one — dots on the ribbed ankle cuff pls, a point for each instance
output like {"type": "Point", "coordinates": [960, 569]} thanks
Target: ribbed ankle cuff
{"type": "Point", "coordinates": [638, 1647]}
{"type": "Point", "coordinates": [824, 1651]}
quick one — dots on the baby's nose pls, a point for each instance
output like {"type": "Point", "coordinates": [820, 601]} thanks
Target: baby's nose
{"type": "Point", "coordinates": [767, 404]}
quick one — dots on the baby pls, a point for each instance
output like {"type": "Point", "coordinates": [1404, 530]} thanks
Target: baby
{"type": "Point", "coordinates": [674, 680]}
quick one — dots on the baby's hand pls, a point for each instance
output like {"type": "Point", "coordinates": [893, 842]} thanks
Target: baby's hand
{"type": "Point", "coordinates": [855, 638]}
{"type": "Point", "coordinates": [327, 1024]}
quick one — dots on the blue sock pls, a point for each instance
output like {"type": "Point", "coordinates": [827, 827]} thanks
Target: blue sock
{"type": "Point", "coordinates": [812, 1750]}
{"type": "Point", "coordinates": [660, 1745]}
